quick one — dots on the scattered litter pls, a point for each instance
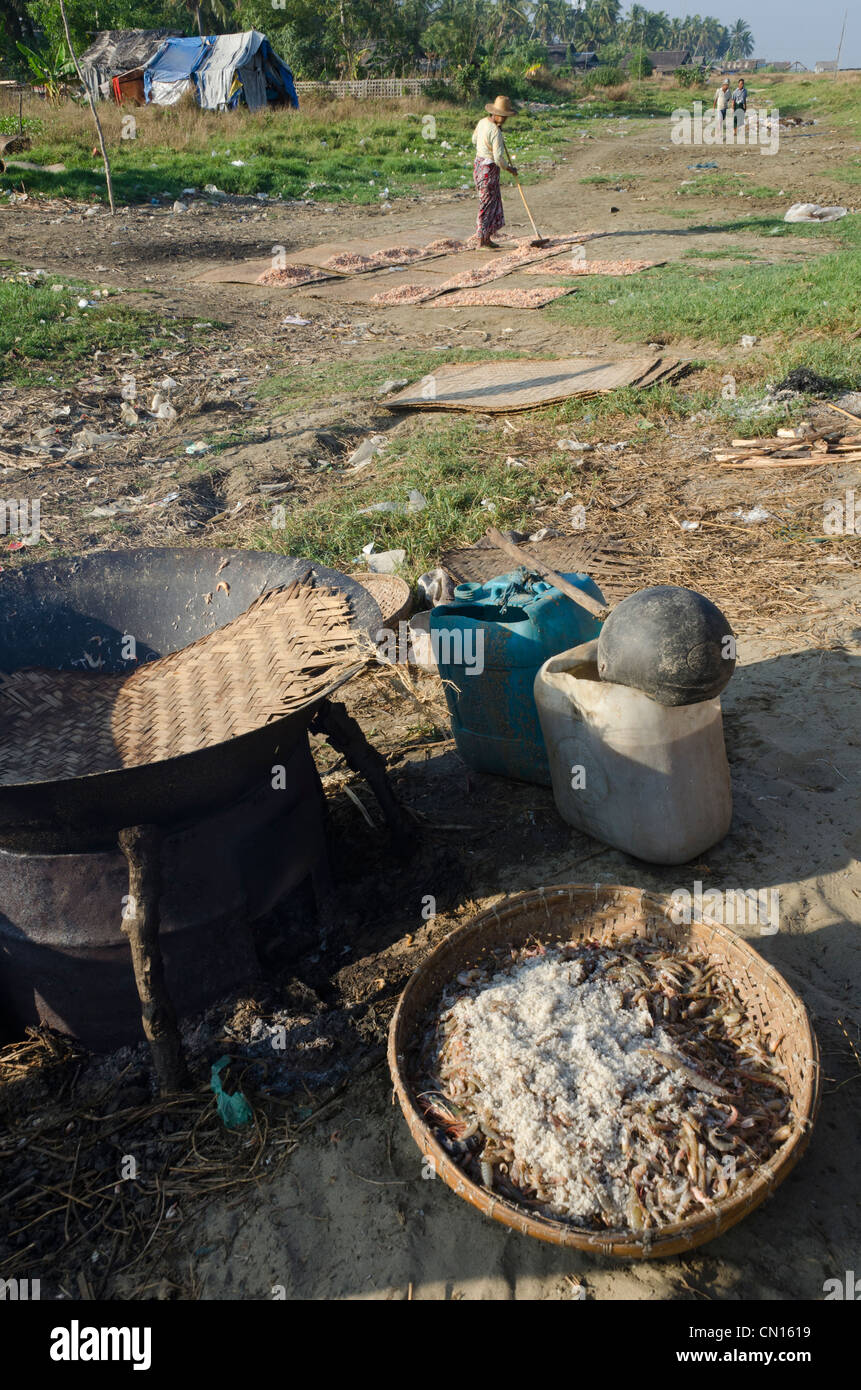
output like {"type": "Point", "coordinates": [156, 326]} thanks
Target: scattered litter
{"type": "Point", "coordinates": [755, 514]}
{"type": "Point", "coordinates": [707, 164]}
{"type": "Point", "coordinates": [366, 451]}
{"type": "Point", "coordinates": [128, 414]}
{"type": "Point", "coordinates": [391, 384]}
{"type": "Point", "coordinates": [295, 321]}
{"type": "Point", "coordinates": [689, 525]}
{"type": "Point", "coordinates": [109, 509]}
{"type": "Point", "coordinates": [90, 439]}
{"type": "Point", "coordinates": [803, 379]}
{"type": "Point", "coordinates": [435, 587]}
{"type": "Point", "coordinates": [198, 447]}
{"type": "Point", "coordinates": [385, 561]}
{"type": "Point", "coordinates": [574, 445]}
{"type": "Point", "coordinates": [234, 1110]}
{"type": "Point", "coordinates": [415, 503]}
{"type": "Point", "coordinates": [748, 340]}
{"type": "Point", "coordinates": [813, 212]}
{"type": "Point", "coordinates": [179, 206]}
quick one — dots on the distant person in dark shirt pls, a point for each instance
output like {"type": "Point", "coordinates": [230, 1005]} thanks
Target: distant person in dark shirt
{"type": "Point", "coordinates": [739, 103]}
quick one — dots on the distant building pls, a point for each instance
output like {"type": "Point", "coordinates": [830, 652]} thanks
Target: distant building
{"type": "Point", "coordinates": [827, 65]}
{"type": "Point", "coordinates": [668, 59]}
{"type": "Point", "coordinates": [562, 55]}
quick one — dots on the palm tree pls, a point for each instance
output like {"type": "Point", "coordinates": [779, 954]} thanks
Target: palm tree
{"type": "Point", "coordinates": [217, 11]}
{"type": "Point", "coordinates": [548, 17]}
{"type": "Point", "coordinates": [740, 39]}
{"type": "Point", "coordinates": [19, 22]}
{"type": "Point", "coordinates": [510, 17]}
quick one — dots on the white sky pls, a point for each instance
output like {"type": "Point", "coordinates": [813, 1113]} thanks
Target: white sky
{"type": "Point", "coordinates": [784, 29]}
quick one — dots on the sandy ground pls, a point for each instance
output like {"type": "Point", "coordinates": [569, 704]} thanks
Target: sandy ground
{"type": "Point", "coordinates": [352, 1216]}
{"type": "Point", "coordinates": [349, 1214]}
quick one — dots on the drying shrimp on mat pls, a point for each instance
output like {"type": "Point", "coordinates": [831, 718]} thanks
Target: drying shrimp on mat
{"type": "Point", "coordinates": [289, 275]}
{"type": "Point", "coordinates": [504, 297]}
{"type": "Point", "coordinates": [403, 294]}
{"type": "Point", "coordinates": [621, 267]}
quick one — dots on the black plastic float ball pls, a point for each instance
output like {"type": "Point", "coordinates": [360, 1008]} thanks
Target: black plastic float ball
{"type": "Point", "coordinates": [671, 643]}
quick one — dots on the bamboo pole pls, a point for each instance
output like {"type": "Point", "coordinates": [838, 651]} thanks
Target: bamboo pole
{"type": "Point", "coordinates": [141, 845]}
{"type": "Point", "coordinates": [92, 108]}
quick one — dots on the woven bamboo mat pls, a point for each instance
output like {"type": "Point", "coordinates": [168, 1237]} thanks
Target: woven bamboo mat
{"type": "Point", "coordinates": [497, 386]}
{"type": "Point", "coordinates": [610, 563]}
{"type": "Point", "coordinates": [287, 649]}
{"type": "Point", "coordinates": [482, 272]}
{"type": "Point", "coordinates": [503, 297]}
{"type": "Point", "coordinates": [249, 272]}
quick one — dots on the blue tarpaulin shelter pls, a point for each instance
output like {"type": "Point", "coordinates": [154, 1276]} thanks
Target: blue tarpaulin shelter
{"type": "Point", "coordinates": [222, 70]}
{"type": "Point", "coordinates": [169, 74]}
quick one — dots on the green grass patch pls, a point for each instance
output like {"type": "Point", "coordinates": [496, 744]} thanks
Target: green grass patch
{"type": "Point", "coordinates": [454, 468]}
{"type": "Point", "coordinates": [361, 159]}
{"type": "Point", "coordinates": [718, 304]}
{"type": "Point", "coordinates": [609, 180]}
{"type": "Point", "coordinates": [726, 185]}
{"type": "Point", "coordinates": [728, 255]}
{"type": "Point", "coordinates": [45, 335]}
{"type": "Point", "coordinates": [847, 173]}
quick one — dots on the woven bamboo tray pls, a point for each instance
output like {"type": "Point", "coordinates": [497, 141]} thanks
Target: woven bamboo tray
{"type": "Point", "coordinates": [605, 913]}
{"type": "Point", "coordinates": [392, 594]}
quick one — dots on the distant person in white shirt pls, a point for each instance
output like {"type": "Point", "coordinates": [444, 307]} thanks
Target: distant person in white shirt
{"type": "Point", "coordinates": [722, 101]}
{"type": "Point", "coordinates": [739, 104]}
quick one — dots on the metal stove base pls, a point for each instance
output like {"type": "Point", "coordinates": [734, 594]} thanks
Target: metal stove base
{"type": "Point", "coordinates": [64, 959]}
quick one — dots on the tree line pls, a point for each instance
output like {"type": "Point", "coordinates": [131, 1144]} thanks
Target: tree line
{"type": "Point", "coordinates": [346, 38]}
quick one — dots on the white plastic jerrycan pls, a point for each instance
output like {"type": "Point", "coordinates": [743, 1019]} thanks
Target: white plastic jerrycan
{"type": "Point", "coordinates": [650, 779]}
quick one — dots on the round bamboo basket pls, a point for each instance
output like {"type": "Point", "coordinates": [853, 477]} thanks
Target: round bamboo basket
{"type": "Point", "coordinates": [606, 913]}
{"type": "Point", "coordinates": [392, 593]}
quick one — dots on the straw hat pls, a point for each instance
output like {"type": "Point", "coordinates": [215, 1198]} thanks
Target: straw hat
{"type": "Point", "coordinates": [500, 106]}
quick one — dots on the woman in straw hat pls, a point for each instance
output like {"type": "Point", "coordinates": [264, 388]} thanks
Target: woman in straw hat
{"type": "Point", "coordinates": [491, 156]}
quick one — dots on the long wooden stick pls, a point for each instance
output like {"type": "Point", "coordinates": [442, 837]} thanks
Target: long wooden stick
{"type": "Point", "coordinates": [529, 562]}
{"type": "Point", "coordinates": [529, 214]}
{"type": "Point", "coordinates": [141, 845]}
{"type": "Point", "coordinates": [92, 108]}
{"type": "Point", "coordinates": [841, 411]}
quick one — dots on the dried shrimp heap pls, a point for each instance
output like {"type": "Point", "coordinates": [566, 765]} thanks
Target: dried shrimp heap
{"type": "Point", "coordinates": [616, 1087]}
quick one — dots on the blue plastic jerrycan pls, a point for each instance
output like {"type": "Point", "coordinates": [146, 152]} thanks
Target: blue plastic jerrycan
{"type": "Point", "coordinates": [489, 644]}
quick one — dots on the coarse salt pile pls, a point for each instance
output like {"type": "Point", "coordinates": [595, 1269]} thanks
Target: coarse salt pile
{"type": "Point", "coordinates": [554, 1055]}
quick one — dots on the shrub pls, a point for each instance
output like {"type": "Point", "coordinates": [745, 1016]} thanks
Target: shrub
{"type": "Point", "coordinates": [690, 77]}
{"type": "Point", "coordinates": [604, 76]}
{"type": "Point", "coordinates": [640, 64]}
